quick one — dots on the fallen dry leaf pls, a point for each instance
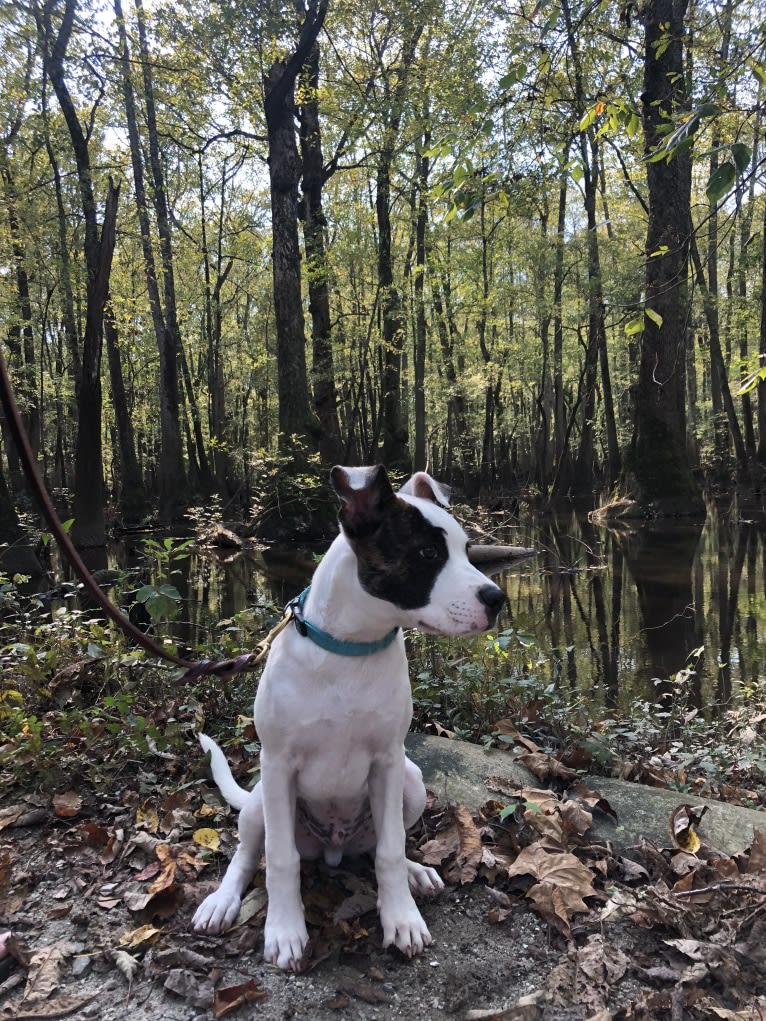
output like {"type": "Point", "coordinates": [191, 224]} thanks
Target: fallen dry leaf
{"type": "Point", "coordinates": [126, 964]}
{"type": "Point", "coordinates": [147, 818]}
{"type": "Point", "coordinates": [563, 881]}
{"type": "Point", "coordinates": [208, 838]}
{"type": "Point", "coordinates": [186, 984]}
{"type": "Point", "coordinates": [231, 997]}
{"type": "Point", "coordinates": [593, 799]}
{"type": "Point", "coordinates": [545, 767]}
{"type": "Point", "coordinates": [67, 805]}
{"type": "Point", "coordinates": [143, 934]}
{"type": "Point", "coordinates": [365, 992]}
{"type": "Point", "coordinates": [757, 861]}
{"type": "Point", "coordinates": [684, 821]}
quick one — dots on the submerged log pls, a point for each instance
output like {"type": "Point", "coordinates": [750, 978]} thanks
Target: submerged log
{"type": "Point", "coordinates": [486, 554]}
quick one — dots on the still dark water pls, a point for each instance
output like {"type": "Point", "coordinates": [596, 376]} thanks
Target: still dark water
{"type": "Point", "coordinates": [603, 611]}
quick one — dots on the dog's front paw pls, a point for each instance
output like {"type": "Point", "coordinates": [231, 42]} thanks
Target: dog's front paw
{"type": "Point", "coordinates": [286, 942]}
{"type": "Point", "coordinates": [216, 913]}
{"type": "Point", "coordinates": [403, 926]}
{"type": "Point", "coordinates": [423, 880]}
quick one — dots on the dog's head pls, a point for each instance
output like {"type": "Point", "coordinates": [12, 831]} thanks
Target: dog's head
{"type": "Point", "coordinates": [411, 552]}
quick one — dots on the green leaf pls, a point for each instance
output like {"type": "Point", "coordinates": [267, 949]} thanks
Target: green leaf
{"type": "Point", "coordinates": [587, 119]}
{"type": "Point", "coordinates": [741, 154]}
{"type": "Point", "coordinates": [759, 71]}
{"type": "Point", "coordinates": [635, 325]}
{"type": "Point", "coordinates": [655, 317]}
{"type": "Point", "coordinates": [720, 182]}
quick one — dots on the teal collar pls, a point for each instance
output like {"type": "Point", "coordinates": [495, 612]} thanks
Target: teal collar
{"type": "Point", "coordinates": [326, 641]}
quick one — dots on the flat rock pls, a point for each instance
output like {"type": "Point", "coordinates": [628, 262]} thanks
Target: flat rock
{"type": "Point", "coordinates": [456, 772]}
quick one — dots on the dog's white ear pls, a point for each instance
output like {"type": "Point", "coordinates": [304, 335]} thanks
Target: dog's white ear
{"type": "Point", "coordinates": [421, 484]}
{"type": "Point", "coordinates": [365, 493]}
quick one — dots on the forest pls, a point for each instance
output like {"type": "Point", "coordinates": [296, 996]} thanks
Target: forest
{"type": "Point", "coordinates": [519, 243]}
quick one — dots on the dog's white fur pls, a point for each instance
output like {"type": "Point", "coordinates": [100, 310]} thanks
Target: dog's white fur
{"type": "Point", "coordinates": [332, 732]}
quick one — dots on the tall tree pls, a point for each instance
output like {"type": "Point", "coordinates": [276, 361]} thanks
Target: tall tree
{"type": "Point", "coordinates": [170, 469]}
{"type": "Point", "coordinates": [295, 415]}
{"type": "Point", "coordinates": [314, 228]}
{"type": "Point", "coordinates": [394, 83]}
{"type": "Point", "coordinates": [659, 466]}
{"type": "Point", "coordinates": [89, 529]}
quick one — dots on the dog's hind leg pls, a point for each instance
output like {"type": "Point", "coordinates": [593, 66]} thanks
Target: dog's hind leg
{"type": "Point", "coordinates": [422, 879]}
{"type": "Point", "coordinates": [219, 911]}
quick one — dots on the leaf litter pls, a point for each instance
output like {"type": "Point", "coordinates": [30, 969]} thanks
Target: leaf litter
{"type": "Point", "coordinates": [537, 922]}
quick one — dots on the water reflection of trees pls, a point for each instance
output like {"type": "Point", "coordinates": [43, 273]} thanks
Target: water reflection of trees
{"type": "Point", "coordinates": [609, 609]}
{"type": "Point", "coordinates": [617, 610]}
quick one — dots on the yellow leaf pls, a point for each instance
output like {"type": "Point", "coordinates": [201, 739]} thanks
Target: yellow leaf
{"type": "Point", "coordinates": [143, 934]}
{"type": "Point", "coordinates": [147, 817]}
{"type": "Point", "coordinates": [207, 838]}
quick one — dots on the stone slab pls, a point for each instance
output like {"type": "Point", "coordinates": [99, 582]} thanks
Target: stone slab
{"type": "Point", "coordinates": [456, 772]}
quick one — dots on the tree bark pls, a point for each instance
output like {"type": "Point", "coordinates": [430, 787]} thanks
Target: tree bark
{"type": "Point", "coordinates": [171, 474]}
{"type": "Point", "coordinates": [396, 452]}
{"type": "Point", "coordinates": [419, 347]}
{"type": "Point", "coordinates": [132, 498]}
{"type": "Point", "coordinates": [89, 527]}
{"type": "Point", "coordinates": [314, 225]}
{"type": "Point", "coordinates": [298, 427]}
{"type": "Point", "coordinates": [659, 471]}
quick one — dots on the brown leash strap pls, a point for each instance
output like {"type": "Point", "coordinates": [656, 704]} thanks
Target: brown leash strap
{"type": "Point", "coordinates": [29, 462]}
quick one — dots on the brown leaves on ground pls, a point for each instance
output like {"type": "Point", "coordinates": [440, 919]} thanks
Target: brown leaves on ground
{"type": "Point", "coordinates": [146, 861]}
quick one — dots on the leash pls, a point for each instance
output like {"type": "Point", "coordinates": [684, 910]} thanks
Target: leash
{"type": "Point", "coordinates": [29, 463]}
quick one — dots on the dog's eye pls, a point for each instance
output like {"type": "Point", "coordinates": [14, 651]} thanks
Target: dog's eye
{"type": "Point", "coordinates": [429, 552]}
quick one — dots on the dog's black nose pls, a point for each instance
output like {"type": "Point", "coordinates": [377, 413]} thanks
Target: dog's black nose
{"type": "Point", "coordinates": [492, 597]}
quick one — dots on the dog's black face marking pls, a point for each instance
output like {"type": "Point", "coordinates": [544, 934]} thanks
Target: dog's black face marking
{"type": "Point", "coordinates": [400, 560]}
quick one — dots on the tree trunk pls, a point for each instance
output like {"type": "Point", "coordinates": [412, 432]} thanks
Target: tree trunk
{"type": "Point", "coordinates": [171, 475]}
{"type": "Point", "coordinates": [761, 453]}
{"type": "Point", "coordinates": [559, 412]}
{"type": "Point", "coordinates": [717, 365]}
{"type": "Point", "coordinates": [660, 474]}
{"type": "Point", "coordinates": [314, 225]}
{"type": "Point", "coordinates": [20, 332]}
{"type": "Point", "coordinates": [133, 501]}
{"type": "Point", "coordinates": [89, 528]}
{"type": "Point", "coordinates": [419, 348]}
{"type": "Point", "coordinates": [596, 349]}
{"type": "Point", "coordinates": [298, 427]}
{"type": "Point", "coordinates": [394, 418]}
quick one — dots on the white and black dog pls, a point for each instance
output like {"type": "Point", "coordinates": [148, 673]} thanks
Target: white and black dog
{"type": "Point", "coordinates": [334, 705]}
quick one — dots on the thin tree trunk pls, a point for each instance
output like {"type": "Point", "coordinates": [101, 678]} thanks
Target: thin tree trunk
{"type": "Point", "coordinates": [89, 528]}
{"type": "Point", "coordinates": [559, 413]}
{"type": "Point", "coordinates": [761, 453]}
{"type": "Point", "coordinates": [419, 349]}
{"type": "Point", "coordinates": [394, 419]}
{"type": "Point", "coordinates": [314, 225]}
{"type": "Point", "coordinates": [717, 366]}
{"type": "Point", "coordinates": [170, 470]}
{"type": "Point", "coordinates": [133, 501]}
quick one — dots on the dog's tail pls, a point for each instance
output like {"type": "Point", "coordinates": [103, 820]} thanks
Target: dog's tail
{"type": "Point", "coordinates": [222, 774]}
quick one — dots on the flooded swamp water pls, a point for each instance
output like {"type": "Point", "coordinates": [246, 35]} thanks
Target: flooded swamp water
{"type": "Point", "coordinates": [606, 612]}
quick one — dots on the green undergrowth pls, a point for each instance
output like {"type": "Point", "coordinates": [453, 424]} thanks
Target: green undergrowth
{"type": "Point", "coordinates": [79, 705]}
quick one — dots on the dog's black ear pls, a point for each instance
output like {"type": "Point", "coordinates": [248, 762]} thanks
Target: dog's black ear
{"type": "Point", "coordinates": [421, 484]}
{"type": "Point", "coordinates": [365, 495]}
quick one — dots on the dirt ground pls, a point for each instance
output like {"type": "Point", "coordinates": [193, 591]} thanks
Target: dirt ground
{"type": "Point", "coordinates": [96, 898]}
